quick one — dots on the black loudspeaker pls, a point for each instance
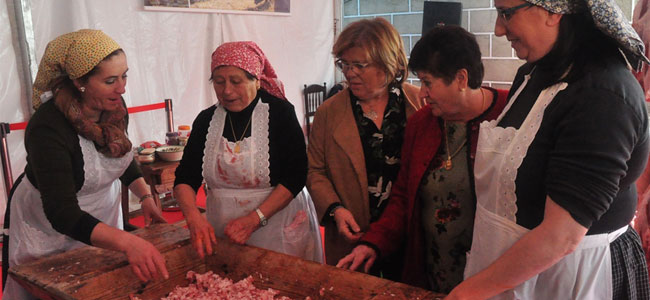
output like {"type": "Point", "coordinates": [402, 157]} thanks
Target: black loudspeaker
{"type": "Point", "coordinates": [440, 13]}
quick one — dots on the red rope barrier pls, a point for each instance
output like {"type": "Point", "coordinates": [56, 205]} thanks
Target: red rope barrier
{"type": "Point", "coordinates": [18, 126]}
{"type": "Point", "coordinates": [132, 110]}
{"type": "Point", "coordinates": [141, 108]}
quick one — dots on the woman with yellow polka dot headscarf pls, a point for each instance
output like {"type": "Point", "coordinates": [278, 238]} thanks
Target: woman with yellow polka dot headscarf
{"type": "Point", "coordinates": [77, 155]}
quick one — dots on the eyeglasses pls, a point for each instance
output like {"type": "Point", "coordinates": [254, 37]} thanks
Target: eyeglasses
{"type": "Point", "coordinates": [507, 13]}
{"type": "Point", "coordinates": [345, 66]}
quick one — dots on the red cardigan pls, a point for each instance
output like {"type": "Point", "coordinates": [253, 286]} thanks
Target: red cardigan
{"type": "Point", "coordinates": [400, 221]}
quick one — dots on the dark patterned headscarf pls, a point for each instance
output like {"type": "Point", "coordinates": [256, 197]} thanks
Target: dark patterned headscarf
{"type": "Point", "coordinates": [249, 57]}
{"type": "Point", "coordinates": [609, 19]}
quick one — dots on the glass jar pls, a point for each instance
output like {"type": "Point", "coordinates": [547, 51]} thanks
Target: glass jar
{"type": "Point", "coordinates": [171, 138]}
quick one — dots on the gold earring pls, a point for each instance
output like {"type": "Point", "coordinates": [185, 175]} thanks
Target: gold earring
{"type": "Point", "coordinates": [82, 89]}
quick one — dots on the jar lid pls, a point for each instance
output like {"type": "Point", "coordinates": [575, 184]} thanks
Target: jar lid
{"type": "Point", "coordinates": [183, 127]}
{"type": "Point", "coordinates": [147, 151]}
{"type": "Point", "coordinates": [172, 134]}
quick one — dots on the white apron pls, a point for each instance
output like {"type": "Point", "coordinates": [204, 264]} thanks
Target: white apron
{"type": "Point", "coordinates": [583, 274]}
{"type": "Point", "coordinates": [238, 183]}
{"type": "Point", "coordinates": [30, 233]}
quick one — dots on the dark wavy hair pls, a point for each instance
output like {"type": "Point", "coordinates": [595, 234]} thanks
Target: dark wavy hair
{"type": "Point", "coordinates": [444, 50]}
{"type": "Point", "coordinates": [578, 45]}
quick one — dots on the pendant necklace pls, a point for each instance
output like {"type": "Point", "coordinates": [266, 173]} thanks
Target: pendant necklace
{"type": "Point", "coordinates": [372, 115]}
{"type": "Point", "coordinates": [232, 128]}
{"type": "Point", "coordinates": [482, 100]}
{"type": "Point", "coordinates": [447, 164]}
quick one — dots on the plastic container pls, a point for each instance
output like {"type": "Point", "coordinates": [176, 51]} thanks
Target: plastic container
{"type": "Point", "coordinates": [184, 130]}
{"type": "Point", "coordinates": [146, 159]}
{"type": "Point", "coordinates": [182, 140]}
{"type": "Point", "coordinates": [171, 138]}
{"type": "Point", "coordinates": [147, 155]}
{"type": "Point", "coordinates": [147, 151]}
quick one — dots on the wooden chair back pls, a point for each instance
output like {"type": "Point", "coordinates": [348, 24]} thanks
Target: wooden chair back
{"type": "Point", "coordinates": [314, 95]}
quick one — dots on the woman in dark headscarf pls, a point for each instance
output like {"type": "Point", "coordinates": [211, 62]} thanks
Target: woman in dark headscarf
{"type": "Point", "coordinates": [250, 151]}
{"type": "Point", "coordinates": [555, 172]}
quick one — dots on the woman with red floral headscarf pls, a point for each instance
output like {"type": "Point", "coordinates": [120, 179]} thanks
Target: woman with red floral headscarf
{"type": "Point", "coordinates": [250, 151]}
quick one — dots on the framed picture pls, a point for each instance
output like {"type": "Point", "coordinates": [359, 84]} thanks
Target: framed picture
{"type": "Point", "coordinates": [267, 7]}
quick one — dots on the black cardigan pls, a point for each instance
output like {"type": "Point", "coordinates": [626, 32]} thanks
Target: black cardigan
{"type": "Point", "coordinates": [55, 167]}
{"type": "Point", "coordinates": [287, 150]}
{"type": "Point", "coordinates": [591, 147]}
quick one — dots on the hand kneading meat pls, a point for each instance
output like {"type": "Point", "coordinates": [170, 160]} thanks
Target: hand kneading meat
{"type": "Point", "coordinates": [210, 286]}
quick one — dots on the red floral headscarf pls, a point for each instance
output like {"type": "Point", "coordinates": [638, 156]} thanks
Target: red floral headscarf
{"type": "Point", "coordinates": [248, 56]}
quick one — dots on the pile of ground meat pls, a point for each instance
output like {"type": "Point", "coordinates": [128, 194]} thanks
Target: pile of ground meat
{"type": "Point", "coordinates": [210, 286]}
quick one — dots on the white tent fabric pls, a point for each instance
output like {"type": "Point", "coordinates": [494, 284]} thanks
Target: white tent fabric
{"type": "Point", "coordinates": [169, 56]}
{"type": "Point", "coordinates": [12, 99]}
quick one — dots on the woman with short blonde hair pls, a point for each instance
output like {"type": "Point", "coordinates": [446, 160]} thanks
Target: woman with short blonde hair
{"type": "Point", "coordinates": [382, 43]}
{"type": "Point", "coordinates": [356, 139]}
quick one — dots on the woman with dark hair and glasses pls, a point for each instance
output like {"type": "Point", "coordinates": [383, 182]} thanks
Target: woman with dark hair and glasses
{"type": "Point", "coordinates": [555, 172]}
{"type": "Point", "coordinates": [356, 139]}
{"type": "Point", "coordinates": [432, 203]}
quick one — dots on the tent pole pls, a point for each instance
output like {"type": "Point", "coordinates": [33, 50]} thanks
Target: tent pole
{"type": "Point", "coordinates": [4, 154]}
{"type": "Point", "coordinates": [27, 41]}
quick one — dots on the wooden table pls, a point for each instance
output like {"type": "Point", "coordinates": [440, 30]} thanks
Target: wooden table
{"type": "Point", "coordinates": [160, 176]}
{"type": "Point", "coordinates": [93, 273]}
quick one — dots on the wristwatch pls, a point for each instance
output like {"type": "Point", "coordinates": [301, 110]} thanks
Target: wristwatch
{"type": "Point", "coordinates": [334, 208]}
{"type": "Point", "coordinates": [263, 220]}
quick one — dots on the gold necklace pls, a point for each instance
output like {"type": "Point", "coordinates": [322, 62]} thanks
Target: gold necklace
{"type": "Point", "coordinates": [482, 99]}
{"type": "Point", "coordinates": [447, 164]}
{"type": "Point", "coordinates": [372, 115]}
{"type": "Point", "coordinates": [237, 149]}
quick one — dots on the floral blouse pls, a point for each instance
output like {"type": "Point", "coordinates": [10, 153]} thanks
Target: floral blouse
{"type": "Point", "coordinates": [381, 148]}
{"type": "Point", "coordinates": [447, 209]}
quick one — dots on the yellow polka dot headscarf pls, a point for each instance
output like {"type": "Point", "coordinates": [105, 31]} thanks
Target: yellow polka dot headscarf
{"type": "Point", "coordinates": [73, 54]}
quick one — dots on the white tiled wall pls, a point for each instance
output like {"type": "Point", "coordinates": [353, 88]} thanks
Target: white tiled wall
{"type": "Point", "coordinates": [478, 17]}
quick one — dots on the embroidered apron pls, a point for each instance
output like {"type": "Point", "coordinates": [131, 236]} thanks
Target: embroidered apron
{"type": "Point", "coordinates": [583, 274]}
{"type": "Point", "coordinates": [32, 235]}
{"type": "Point", "coordinates": [238, 183]}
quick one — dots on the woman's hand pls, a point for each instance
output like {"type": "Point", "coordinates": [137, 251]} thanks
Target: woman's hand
{"type": "Point", "coordinates": [358, 256]}
{"type": "Point", "coordinates": [201, 234]}
{"type": "Point", "coordinates": [146, 261]}
{"type": "Point", "coordinates": [240, 230]}
{"type": "Point", "coordinates": [152, 214]}
{"type": "Point", "coordinates": [346, 225]}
